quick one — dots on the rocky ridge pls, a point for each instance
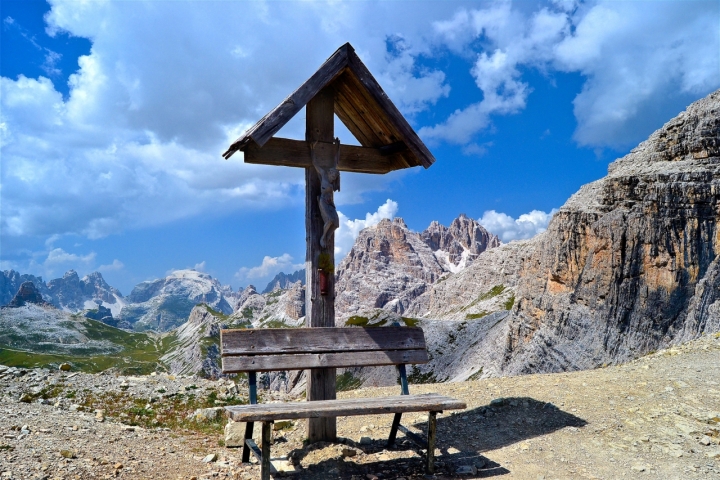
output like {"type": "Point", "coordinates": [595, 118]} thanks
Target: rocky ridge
{"type": "Point", "coordinates": [166, 303]}
{"type": "Point", "coordinates": [70, 293]}
{"type": "Point", "coordinates": [283, 281]}
{"type": "Point", "coordinates": [390, 266]}
{"type": "Point", "coordinates": [628, 265]}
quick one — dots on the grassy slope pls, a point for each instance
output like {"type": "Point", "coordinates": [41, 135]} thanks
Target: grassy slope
{"type": "Point", "coordinates": [139, 353]}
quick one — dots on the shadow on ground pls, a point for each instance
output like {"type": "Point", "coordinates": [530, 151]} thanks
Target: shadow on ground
{"type": "Point", "coordinates": [462, 439]}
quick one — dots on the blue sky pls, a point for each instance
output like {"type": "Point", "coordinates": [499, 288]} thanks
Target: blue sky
{"type": "Point", "coordinates": [114, 116]}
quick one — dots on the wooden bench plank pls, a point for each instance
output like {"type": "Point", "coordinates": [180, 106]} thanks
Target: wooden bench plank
{"type": "Point", "coordinates": [345, 407]}
{"type": "Point", "coordinates": [319, 340]}
{"type": "Point", "coordinates": [268, 363]}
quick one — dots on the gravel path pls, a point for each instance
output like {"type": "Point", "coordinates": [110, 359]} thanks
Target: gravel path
{"type": "Point", "coordinates": [657, 418]}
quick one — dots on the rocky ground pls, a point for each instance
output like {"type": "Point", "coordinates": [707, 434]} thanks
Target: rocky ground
{"type": "Point", "coordinates": [655, 417]}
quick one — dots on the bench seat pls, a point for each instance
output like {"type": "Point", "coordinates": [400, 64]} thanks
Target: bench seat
{"type": "Point", "coordinates": [430, 402]}
{"type": "Point", "coordinates": [318, 350]}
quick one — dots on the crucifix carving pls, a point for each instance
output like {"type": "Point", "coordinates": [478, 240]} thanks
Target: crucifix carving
{"type": "Point", "coordinates": [329, 183]}
{"type": "Point", "coordinates": [342, 86]}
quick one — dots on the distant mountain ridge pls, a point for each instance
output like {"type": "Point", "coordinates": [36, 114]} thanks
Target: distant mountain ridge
{"type": "Point", "coordinates": [166, 303]}
{"type": "Point", "coordinates": [70, 292]}
{"type": "Point", "coordinates": [283, 281]}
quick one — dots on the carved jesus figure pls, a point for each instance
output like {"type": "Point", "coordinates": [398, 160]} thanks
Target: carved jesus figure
{"type": "Point", "coordinates": [329, 183]}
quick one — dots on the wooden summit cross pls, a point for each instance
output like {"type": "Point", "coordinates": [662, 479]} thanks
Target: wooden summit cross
{"type": "Point", "coordinates": [342, 86]}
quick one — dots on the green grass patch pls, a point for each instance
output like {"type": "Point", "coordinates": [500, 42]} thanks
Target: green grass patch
{"type": "Point", "coordinates": [509, 303]}
{"type": "Point", "coordinates": [410, 322]}
{"type": "Point", "coordinates": [475, 316]}
{"type": "Point", "coordinates": [346, 382]}
{"type": "Point", "coordinates": [214, 312]}
{"type": "Point", "coordinates": [357, 321]}
{"type": "Point", "coordinates": [475, 375]}
{"type": "Point", "coordinates": [493, 292]}
{"type": "Point", "coordinates": [417, 377]}
{"type": "Point", "coordinates": [169, 412]}
{"type": "Point", "coordinates": [275, 323]}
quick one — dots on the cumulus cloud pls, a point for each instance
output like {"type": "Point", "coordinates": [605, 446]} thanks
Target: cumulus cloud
{"type": "Point", "coordinates": [641, 65]}
{"type": "Point", "coordinates": [349, 229]}
{"type": "Point", "coordinates": [56, 261]}
{"type": "Point", "coordinates": [525, 226]}
{"type": "Point", "coordinates": [269, 267]}
{"type": "Point", "coordinates": [114, 266]}
{"type": "Point", "coordinates": [168, 85]}
{"type": "Point", "coordinates": [137, 141]}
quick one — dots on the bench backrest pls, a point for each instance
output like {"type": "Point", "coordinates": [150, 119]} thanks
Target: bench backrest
{"type": "Point", "coordinates": [269, 349]}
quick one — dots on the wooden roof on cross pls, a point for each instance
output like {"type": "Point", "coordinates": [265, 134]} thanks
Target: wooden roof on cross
{"type": "Point", "coordinates": [388, 141]}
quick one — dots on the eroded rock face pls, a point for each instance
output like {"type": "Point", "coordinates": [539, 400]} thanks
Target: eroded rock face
{"type": "Point", "coordinates": [459, 244]}
{"type": "Point", "coordinates": [166, 303]}
{"type": "Point", "coordinates": [70, 293]}
{"type": "Point", "coordinates": [27, 293]}
{"type": "Point", "coordinates": [284, 281]}
{"type": "Point", "coordinates": [629, 264]}
{"type": "Point", "coordinates": [388, 267]}
{"type": "Point", "coordinates": [10, 282]}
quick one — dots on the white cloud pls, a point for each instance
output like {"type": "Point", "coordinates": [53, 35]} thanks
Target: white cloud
{"type": "Point", "coordinates": [114, 266]}
{"type": "Point", "coordinates": [200, 267]}
{"type": "Point", "coordinates": [56, 261]}
{"type": "Point", "coordinates": [269, 267]}
{"type": "Point", "coordinates": [59, 256]}
{"type": "Point", "coordinates": [168, 85]}
{"type": "Point", "coordinates": [164, 90]}
{"type": "Point", "coordinates": [525, 226]}
{"type": "Point", "coordinates": [349, 229]}
{"type": "Point", "coordinates": [641, 64]}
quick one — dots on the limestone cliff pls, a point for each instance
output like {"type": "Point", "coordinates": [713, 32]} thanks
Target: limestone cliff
{"type": "Point", "coordinates": [628, 265]}
{"type": "Point", "coordinates": [390, 266]}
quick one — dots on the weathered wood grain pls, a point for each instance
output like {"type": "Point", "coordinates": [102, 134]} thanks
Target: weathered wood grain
{"type": "Point", "coordinates": [270, 363]}
{"type": "Point", "coordinates": [431, 435]}
{"type": "Point", "coordinates": [423, 154]}
{"type": "Point", "coordinates": [361, 104]}
{"type": "Point", "coordinates": [266, 443]}
{"type": "Point", "coordinates": [319, 309]}
{"type": "Point", "coordinates": [285, 152]}
{"type": "Point", "coordinates": [325, 340]}
{"type": "Point", "coordinates": [269, 125]}
{"type": "Point", "coordinates": [370, 118]}
{"type": "Point", "coordinates": [345, 407]}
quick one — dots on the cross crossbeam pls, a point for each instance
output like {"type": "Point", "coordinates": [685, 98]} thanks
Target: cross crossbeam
{"type": "Point", "coordinates": [296, 153]}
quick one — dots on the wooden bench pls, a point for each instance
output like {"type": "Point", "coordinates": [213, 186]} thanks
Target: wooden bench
{"type": "Point", "coordinates": [264, 350]}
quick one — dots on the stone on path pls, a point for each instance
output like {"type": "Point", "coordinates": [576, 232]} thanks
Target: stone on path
{"type": "Point", "coordinates": [210, 458]}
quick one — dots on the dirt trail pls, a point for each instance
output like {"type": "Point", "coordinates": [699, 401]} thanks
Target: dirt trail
{"type": "Point", "coordinates": [657, 418]}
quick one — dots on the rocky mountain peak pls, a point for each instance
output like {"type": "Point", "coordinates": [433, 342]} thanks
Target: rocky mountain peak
{"type": "Point", "coordinates": [165, 303]}
{"type": "Point", "coordinates": [283, 281]}
{"type": "Point", "coordinates": [27, 293]}
{"type": "Point", "coordinates": [390, 265]}
{"type": "Point", "coordinates": [458, 245]}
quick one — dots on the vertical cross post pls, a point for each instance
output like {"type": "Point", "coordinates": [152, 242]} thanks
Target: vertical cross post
{"type": "Point", "coordinates": [319, 309]}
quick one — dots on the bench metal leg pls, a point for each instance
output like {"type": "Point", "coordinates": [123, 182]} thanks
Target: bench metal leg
{"type": "Point", "coordinates": [248, 434]}
{"type": "Point", "coordinates": [393, 430]}
{"type": "Point", "coordinates": [266, 437]}
{"type": "Point", "coordinates": [432, 428]}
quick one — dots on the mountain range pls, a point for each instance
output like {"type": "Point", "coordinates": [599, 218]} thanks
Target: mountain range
{"type": "Point", "coordinates": [628, 265]}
